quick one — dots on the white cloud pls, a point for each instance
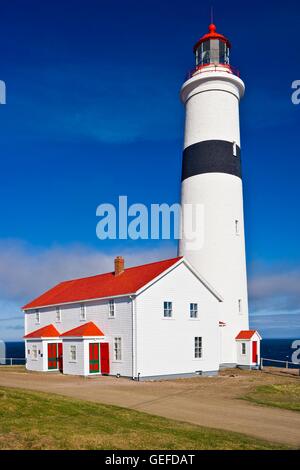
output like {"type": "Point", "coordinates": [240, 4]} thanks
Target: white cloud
{"type": "Point", "coordinates": [276, 290]}
{"type": "Point", "coordinates": [26, 272]}
{"type": "Point", "coordinates": [274, 296]}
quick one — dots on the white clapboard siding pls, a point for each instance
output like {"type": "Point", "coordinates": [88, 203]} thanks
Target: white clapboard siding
{"type": "Point", "coordinates": [166, 346]}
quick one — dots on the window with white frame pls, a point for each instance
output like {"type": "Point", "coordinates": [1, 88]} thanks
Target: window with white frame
{"type": "Point", "coordinates": [193, 310]}
{"type": "Point", "coordinates": [82, 312]}
{"type": "Point", "coordinates": [34, 351]}
{"type": "Point", "coordinates": [198, 347]}
{"type": "Point", "coordinates": [37, 316]}
{"type": "Point", "coordinates": [118, 348]}
{"type": "Point", "coordinates": [58, 315]}
{"type": "Point", "coordinates": [73, 353]}
{"type": "Point", "coordinates": [240, 306]}
{"type": "Point", "coordinates": [237, 227]}
{"type": "Point", "coordinates": [111, 308]}
{"type": "Point", "coordinates": [168, 310]}
{"type": "Point", "coordinates": [243, 349]}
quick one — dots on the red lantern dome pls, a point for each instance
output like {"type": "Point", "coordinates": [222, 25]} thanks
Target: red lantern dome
{"type": "Point", "coordinates": [212, 48]}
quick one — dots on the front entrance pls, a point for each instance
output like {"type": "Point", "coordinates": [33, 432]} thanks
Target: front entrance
{"type": "Point", "coordinates": [60, 357]}
{"type": "Point", "coordinates": [52, 356]}
{"type": "Point", "coordinates": [254, 352]}
{"type": "Point", "coordinates": [104, 349]}
{"type": "Point", "coordinates": [94, 358]}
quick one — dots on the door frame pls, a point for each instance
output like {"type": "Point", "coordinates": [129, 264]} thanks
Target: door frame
{"type": "Point", "coordinates": [254, 349]}
{"type": "Point", "coordinates": [107, 372]}
{"type": "Point", "coordinates": [60, 358]}
{"type": "Point", "coordinates": [94, 371]}
{"type": "Point", "coordinates": [52, 358]}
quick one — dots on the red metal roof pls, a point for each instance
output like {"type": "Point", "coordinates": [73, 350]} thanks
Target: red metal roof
{"type": "Point", "coordinates": [246, 334]}
{"type": "Point", "coordinates": [212, 35]}
{"type": "Point", "coordinates": [102, 285]}
{"type": "Point", "coordinates": [87, 329]}
{"type": "Point", "coordinates": [48, 331]}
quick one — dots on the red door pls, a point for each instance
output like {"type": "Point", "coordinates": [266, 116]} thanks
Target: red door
{"type": "Point", "coordinates": [254, 352]}
{"type": "Point", "coordinates": [60, 357]}
{"type": "Point", "coordinates": [52, 356]}
{"type": "Point", "coordinates": [104, 354]}
{"type": "Point", "coordinates": [94, 358]}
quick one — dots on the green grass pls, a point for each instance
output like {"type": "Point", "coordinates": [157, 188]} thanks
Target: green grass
{"type": "Point", "coordinates": [34, 420]}
{"type": "Point", "coordinates": [285, 396]}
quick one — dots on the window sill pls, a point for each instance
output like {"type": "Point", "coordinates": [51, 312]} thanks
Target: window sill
{"type": "Point", "coordinates": [168, 318]}
{"type": "Point", "coordinates": [111, 318]}
{"type": "Point", "coordinates": [73, 362]}
{"type": "Point", "coordinates": [117, 362]}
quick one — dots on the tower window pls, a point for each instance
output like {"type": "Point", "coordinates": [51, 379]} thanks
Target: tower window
{"type": "Point", "coordinates": [237, 227]}
{"type": "Point", "coordinates": [234, 145]}
{"type": "Point", "coordinates": [240, 306]}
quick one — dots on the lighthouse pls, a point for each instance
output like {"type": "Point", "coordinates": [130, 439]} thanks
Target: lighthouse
{"type": "Point", "coordinates": [212, 180]}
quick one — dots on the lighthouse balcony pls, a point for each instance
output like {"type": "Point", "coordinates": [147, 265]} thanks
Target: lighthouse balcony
{"type": "Point", "coordinates": [212, 68]}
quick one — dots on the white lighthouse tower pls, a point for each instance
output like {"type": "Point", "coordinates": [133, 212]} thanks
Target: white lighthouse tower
{"type": "Point", "coordinates": [211, 177]}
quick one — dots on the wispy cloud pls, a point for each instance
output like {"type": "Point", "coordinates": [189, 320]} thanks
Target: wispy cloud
{"type": "Point", "coordinates": [277, 289]}
{"type": "Point", "coordinates": [26, 272]}
{"type": "Point", "coordinates": [274, 295]}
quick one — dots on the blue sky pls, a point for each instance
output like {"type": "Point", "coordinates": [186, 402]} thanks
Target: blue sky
{"type": "Point", "coordinates": [93, 112]}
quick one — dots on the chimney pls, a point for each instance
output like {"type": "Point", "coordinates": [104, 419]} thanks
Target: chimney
{"type": "Point", "coordinates": [119, 265]}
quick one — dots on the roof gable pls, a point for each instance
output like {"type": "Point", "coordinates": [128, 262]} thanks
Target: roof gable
{"type": "Point", "coordinates": [102, 285]}
{"type": "Point", "coordinates": [247, 334]}
{"type": "Point", "coordinates": [48, 331]}
{"type": "Point", "coordinates": [87, 329]}
{"type": "Point", "coordinates": [182, 260]}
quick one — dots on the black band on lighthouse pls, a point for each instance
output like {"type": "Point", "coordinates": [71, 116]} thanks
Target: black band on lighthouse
{"type": "Point", "coordinates": [211, 156]}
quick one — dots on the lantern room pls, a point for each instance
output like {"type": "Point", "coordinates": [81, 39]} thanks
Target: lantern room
{"type": "Point", "coordinates": [212, 49]}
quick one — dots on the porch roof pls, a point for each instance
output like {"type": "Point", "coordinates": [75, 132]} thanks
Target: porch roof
{"type": "Point", "coordinates": [48, 331]}
{"type": "Point", "coordinates": [87, 329]}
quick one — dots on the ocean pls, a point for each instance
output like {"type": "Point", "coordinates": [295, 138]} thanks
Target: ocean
{"type": "Point", "coordinates": [14, 350]}
{"type": "Point", "coordinates": [278, 349]}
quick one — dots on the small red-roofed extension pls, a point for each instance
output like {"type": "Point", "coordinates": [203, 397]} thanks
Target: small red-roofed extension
{"type": "Point", "coordinates": [48, 331]}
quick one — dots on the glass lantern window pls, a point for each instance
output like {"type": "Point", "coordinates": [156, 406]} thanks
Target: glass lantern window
{"type": "Point", "coordinates": [212, 51]}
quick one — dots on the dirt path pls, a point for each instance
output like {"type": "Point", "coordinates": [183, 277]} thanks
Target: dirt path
{"type": "Point", "coordinates": [212, 402]}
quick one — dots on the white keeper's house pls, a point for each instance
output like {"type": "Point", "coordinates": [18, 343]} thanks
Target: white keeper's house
{"type": "Point", "coordinates": [178, 317]}
{"type": "Point", "coordinates": [142, 322]}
